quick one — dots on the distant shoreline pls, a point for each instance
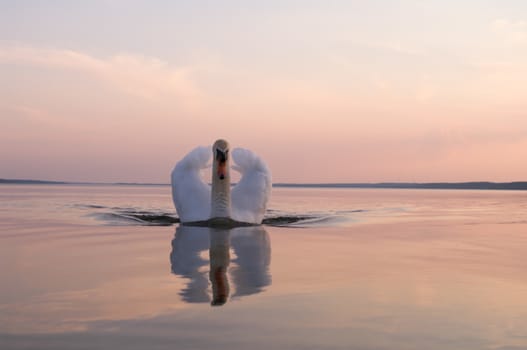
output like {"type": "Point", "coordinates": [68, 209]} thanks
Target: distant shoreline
{"type": "Point", "coordinates": [480, 185]}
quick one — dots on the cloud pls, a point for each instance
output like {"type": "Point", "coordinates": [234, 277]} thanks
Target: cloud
{"type": "Point", "coordinates": [512, 32]}
{"type": "Point", "coordinates": [141, 76]}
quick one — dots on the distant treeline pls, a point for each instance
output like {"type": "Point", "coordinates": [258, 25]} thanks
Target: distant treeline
{"type": "Point", "coordinates": [31, 182]}
{"type": "Point", "coordinates": [43, 182]}
{"type": "Point", "coordinates": [519, 185]}
{"type": "Point", "coordinates": [481, 185]}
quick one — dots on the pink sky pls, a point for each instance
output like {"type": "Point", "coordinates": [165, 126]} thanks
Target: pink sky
{"type": "Point", "coordinates": [345, 93]}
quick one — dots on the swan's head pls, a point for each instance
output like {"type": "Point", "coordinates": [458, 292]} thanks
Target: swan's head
{"type": "Point", "coordinates": [220, 152]}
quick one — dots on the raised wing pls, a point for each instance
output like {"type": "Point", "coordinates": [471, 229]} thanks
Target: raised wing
{"type": "Point", "coordinates": [249, 197]}
{"type": "Point", "coordinates": [190, 194]}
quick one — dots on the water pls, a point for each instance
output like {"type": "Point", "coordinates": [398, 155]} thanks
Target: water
{"type": "Point", "coordinates": [105, 267]}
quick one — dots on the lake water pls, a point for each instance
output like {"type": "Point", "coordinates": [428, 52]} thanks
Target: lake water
{"type": "Point", "coordinates": [103, 267]}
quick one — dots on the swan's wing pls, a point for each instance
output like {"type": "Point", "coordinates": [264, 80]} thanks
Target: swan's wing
{"type": "Point", "coordinates": [249, 197]}
{"type": "Point", "coordinates": [190, 194]}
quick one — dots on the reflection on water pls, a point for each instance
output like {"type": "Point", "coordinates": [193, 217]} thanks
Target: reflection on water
{"type": "Point", "coordinates": [238, 259]}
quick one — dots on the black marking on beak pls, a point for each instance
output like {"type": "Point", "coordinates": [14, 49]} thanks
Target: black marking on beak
{"type": "Point", "coordinates": [221, 156]}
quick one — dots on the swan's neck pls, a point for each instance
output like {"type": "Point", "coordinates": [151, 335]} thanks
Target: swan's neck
{"type": "Point", "coordinates": [220, 195]}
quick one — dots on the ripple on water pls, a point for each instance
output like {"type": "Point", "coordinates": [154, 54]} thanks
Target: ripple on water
{"type": "Point", "coordinates": [160, 217]}
{"type": "Point", "coordinates": [131, 216]}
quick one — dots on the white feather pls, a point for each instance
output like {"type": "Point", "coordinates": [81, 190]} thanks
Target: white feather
{"type": "Point", "coordinates": [250, 196]}
{"type": "Point", "coordinates": [190, 194]}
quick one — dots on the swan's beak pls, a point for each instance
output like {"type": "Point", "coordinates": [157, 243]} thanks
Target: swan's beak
{"type": "Point", "coordinates": [221, 158]}
{"type": "Point", "coordinates": [221, 171]}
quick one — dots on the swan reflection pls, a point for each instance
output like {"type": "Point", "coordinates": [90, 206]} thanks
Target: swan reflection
{"type": "Point", "coordinates": [238, 260]}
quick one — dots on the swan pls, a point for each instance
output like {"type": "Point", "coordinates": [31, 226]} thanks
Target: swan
{"type": "Point", "coordinates": [197, 201]}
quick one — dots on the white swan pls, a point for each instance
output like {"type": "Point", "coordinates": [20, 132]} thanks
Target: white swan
{"type": "Point", "coordinates": [197, 201]}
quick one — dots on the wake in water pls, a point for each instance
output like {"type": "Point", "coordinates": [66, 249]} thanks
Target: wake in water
{"type": "Point", "coordinates": [153, 217]}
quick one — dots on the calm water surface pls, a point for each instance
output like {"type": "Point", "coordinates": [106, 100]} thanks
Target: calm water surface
{"type": "Point", "coordinates": [103, 267]}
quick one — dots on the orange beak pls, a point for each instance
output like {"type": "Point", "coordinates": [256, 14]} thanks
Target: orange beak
{"type": "Point", "coordinates": [221, 170]}
{"type": "Point", "coordinates": [221, 158]}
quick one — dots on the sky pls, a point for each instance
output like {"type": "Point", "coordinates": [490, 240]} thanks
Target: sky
{"type": "Point", "coordinates": [323, 91]}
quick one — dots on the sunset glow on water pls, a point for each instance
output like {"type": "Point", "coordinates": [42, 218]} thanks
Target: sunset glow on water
{"type": "Point", "coordinates": [383, 269]}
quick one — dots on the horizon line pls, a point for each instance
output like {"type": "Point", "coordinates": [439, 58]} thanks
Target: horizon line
{"type": "Point", "coordinates": [486, 185]}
